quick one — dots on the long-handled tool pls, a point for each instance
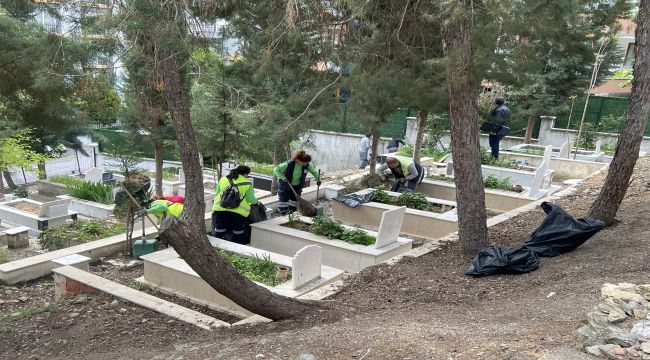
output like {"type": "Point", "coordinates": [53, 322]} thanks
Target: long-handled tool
{"type": "Point", "coordinates": [305, 207]}
{"type": "Point", "coordinates": [318, 184]}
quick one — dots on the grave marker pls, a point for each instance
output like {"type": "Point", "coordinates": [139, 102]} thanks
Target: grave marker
{"type": "Point", "coordinates": [306, 265]}
{"type": "Point", "coordinates": [389, 227]}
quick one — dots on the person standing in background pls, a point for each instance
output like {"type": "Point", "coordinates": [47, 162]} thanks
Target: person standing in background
{"type": "Point", "coordinates": [500, 118]}
{"type": "Point", "coordinates": [364, 147]}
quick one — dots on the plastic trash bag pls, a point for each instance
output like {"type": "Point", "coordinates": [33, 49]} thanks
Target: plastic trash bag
{"type": "Point", "coordinates": [354, 200]}
{"type": "Point", "coordinates": [560, 232]}
{"type": "Point", "coordinates": [257, 214]}
{"type": "Point", "coordinates": [503, 260]}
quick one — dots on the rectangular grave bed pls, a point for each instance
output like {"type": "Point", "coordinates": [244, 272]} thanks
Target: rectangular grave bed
{"type": "Point", "coordinates": [271, 235]}
{"type": "Point", "coordinates": [497, 200]}
{"type": "Point", "coordinates": [166, 271]}
{"type": "Point", "coordinates": [36, 215]}
{"type": "Point", "coordinates": [423, 224]}
{"type": "Point", "coordinates": [89, 208]}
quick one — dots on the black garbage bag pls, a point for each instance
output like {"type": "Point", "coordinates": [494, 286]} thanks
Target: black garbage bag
{"type": "Point", "coordinates": [354, 200]}
{"type": "Point", "coordinates": [503, 260]}
{"type": "Point", "coordinates": [560, 232]}
{"type": "Point", "coordinates": [257, 214]}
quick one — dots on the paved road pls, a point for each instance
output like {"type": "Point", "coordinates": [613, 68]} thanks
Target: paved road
{"type": "Point", "coordinates": [68, 165]}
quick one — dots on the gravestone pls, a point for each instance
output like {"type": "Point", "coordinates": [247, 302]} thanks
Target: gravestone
{"type": "Point", "coordinates": [94, 174]}
{"type": "Point", "coordinates": [56, 208]}
{"type": "Point", "coordinates": [306, 265]}
{"type": "Point", "coordinates": [181, 175]}
{"type": "Point", "coordinates": [450, 169]}
{"type": "Point", "coordinates": [599, 143]}
{"type": "Point", "coordinates": [564, 151]}
{"type": "Point", "coordinates": [390, 226]}
{"type": "Point", "coordinates": [538, 180]}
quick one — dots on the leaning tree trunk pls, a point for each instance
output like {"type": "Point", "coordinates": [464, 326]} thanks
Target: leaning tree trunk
{"type": "Point", "coordinates": [190, 240]}
{"type": "Point", "coordinates": [422, 125]}
{"type": "Point", "coordinates": [620, 171]}
{"type": "Point", "coordinates": [223, 277]}
{"type": "Point", "coordinates": [470, 193]}
{"type": "Point", "coordinates": [10, 182]}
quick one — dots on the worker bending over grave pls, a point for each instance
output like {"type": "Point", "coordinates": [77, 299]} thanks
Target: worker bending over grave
{"type": "Point", "coordinates": [406, 171]}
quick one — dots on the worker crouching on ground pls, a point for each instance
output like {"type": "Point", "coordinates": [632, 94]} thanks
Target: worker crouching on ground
{"type": "Point", "coordinates": [161, 208]}
{"type": "Point", "coordinates": [405, 170]}
{"type": "Point", "coordinates": [233, 220]}
{"type": "Point", "coordinates": [293, 173]}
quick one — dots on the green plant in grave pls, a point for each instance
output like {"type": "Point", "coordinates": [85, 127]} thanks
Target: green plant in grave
{"type": "Point", "coordinates": [260, 269]}
{"type": "Point", "coordinates": [333, 229]}
{"type": "Point", "coordinates": [494, 182]}
{"type": "Point", "coordinates": [77, 232]}
{"type": "Point", "coordinates": [66, 180]}
{"type": "Point", "coordinates": [381, 196]}
{"type": "Point", "coordinates": [4, 255]}
{"type": "Point", "coordinates": [487, 159]}
{"type": "Point", "coordinates": [20, 191]}
{"type": "Point", "coordinates": [414, 200]}
{"type": "Point", "coordinates": [92, 191]}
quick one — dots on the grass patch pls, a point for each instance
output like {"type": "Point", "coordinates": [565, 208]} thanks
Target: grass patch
{"type": "Point", "coordinates": [4, 255]}
{"type": "Point", "coordinates": [66, 180]}
{"type": "Point", "coordinates": [78, 232]}
{"type": "Point", "coordinates": [29, 312]}
{"type": "Point", "coordinates": [168, 173]}
{"type": "Point", "coordinates": [255, 268]}
{"type": "Point", "coordinates": [6, 330]}
{"type": "Point", "coordinates": [142, 287]}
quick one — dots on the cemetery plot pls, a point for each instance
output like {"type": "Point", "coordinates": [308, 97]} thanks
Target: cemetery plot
{"type": "Point", "coordinates": [271, 235]}
{"type": "Point", "coordinates": [166, 271]}
{"type": "Point", "coordinates": [36, 215]}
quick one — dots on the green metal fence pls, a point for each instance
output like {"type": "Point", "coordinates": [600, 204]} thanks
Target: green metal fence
{"type": "Point", "coordinates": [346, 121]}
{"type": "Point", "coordinates": [599, 109]}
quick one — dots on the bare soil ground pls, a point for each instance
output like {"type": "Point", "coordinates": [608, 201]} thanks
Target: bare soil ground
{"type": "Point", "coordinates": [419, 308]}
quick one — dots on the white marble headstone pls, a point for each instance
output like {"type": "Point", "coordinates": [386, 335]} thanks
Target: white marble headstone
{"type": "Point", "coordinates": [94, 174]}
{"type": "Point", "coordinates": [564, 151]}
{"type": "Point", "coordinates": [390, 226]}
{"type": "Point", "coordinates": [306, 265]}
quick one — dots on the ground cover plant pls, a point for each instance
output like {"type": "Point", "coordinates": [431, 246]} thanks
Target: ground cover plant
{"type": "Point", "coordinates": [255, 268]}
{"type": "Point", "coordinates": [494, 182]}
{"type": "Point", "coordinates": [92, 191]}
{"type": "Point", "coordinates": [168, 173]}
{"type": "Point", "coordinates": [332, 229]}
{"type": "Point", "coordinates": [4, 255]}
{"type": "Point", "coordinates": [487, 159]}
{"type": "Point", "coordinates": [412, 200]}
{"type": "Point", "coordinates": [78, 232]}
{"type": "Point", "coordinates": [434, 153]}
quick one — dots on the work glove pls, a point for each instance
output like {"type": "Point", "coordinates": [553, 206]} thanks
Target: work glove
{"type": "Point", "coordinates": [402, 180]}
{"type": "Point", "coordinates": [318, 183]}
{"type": "Point", "coordinates": [141, 211]}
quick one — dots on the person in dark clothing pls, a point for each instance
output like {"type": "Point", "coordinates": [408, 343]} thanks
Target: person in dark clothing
{"type": "Point", "coordinates": [393, 145]}
{"type": "Point", "coordinates": [293, 173]}
{"type": "Point", "coordinates": [500, 118]}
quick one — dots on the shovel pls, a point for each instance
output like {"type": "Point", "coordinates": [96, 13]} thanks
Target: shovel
{"type": "Point", "coordinates": [305, 207]}
{"type": "Point", "coordinates": [318, 185]}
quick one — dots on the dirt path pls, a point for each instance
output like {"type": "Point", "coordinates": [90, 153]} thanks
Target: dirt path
{"type": "Point", "coordinates": [419, 308]}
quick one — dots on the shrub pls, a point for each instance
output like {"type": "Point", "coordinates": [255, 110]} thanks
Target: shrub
{"type": "Point", "coordinates": [77, 232]}
{"type": "Point", "coordinates": [20, 191]}
{"type": "Point", "coordinates": [97, 192]}
{"type": "Point", "coordinates": [494, 182]}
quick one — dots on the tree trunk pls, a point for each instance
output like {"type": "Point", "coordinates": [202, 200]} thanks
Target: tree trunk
{"type": "Point", "coordinates": [529, 129]}
{"type": "Point", "coordinates": [196, 250]}
{"type": "Point", "coordinates": [10, 182]}
{"type": "Point", "coordinates": [189, 239]}
{"type": "Point", "coordinates": [620, 171]}
{"type": "Point", "coordinates": [42, 173]}
{"type": "Point", "coordinates": [422, 125]}
{"type": "Point", "coordinates": [470, 193]}
{"type": "Point", "coordinates": [158, 158]}
{"type": "Point", "coordinates": [76, 156]}
{"type": "Point", "coordinates": [374, 147]}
